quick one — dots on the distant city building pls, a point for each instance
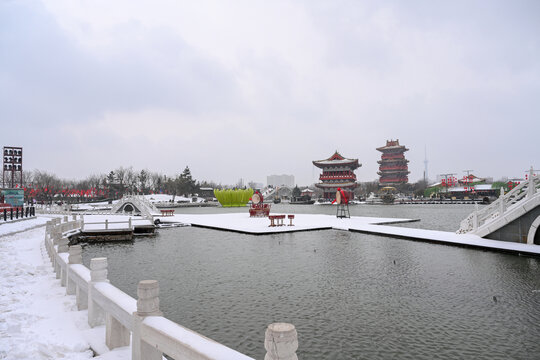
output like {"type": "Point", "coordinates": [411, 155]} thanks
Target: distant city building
{"type": "Point", "coordinates": [280, 180]}
{"type": "Point", "coordinates": [393, 168]}
{"type": "Point", "coordinates": [338, 172]}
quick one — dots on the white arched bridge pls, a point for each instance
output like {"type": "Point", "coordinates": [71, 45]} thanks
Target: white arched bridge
{"type": "Point", "coordinates": [514, 217]}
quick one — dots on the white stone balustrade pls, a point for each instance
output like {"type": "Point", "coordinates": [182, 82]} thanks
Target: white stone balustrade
{"type": "Point", "coordinates": [152, 335]}
{"type": "Point", "coordinates": [506, 208]}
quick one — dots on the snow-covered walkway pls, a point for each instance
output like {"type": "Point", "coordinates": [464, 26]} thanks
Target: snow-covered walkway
{"type": "Point", "coordinates": [37, 319]}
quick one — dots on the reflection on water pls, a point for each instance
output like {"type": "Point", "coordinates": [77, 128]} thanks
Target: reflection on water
{"type": "Point", "coordinates": [350, 295]}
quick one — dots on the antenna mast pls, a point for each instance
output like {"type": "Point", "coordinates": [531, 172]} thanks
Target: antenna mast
{"type": "Point", "coordinates": [426, 177]}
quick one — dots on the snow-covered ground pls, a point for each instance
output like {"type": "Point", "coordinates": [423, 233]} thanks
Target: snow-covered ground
{"type": "Point", "coordinates": [37, 319]}
{"type": "Point", "coordinates": [160, 198]}
{"type": "Point", "coordinates": [153, 198]}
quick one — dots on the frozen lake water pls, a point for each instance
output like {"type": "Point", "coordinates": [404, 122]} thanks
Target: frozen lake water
{"type": "Point", "coordinates": [350, 295]}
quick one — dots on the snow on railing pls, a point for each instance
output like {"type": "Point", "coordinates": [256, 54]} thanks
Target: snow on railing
{"type": "Point", "coordinates": [505, 202]}
{"type": "Point", "coordinates": [152, 335]}
{"type": "Point", "coordinates": [268, 192]}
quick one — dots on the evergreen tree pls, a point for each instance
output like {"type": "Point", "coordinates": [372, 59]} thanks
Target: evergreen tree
{"type": "Point", "coordinates": [185, 183]}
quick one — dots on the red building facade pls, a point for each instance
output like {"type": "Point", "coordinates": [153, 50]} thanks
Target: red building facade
{"type": "Point", "coordinates": [338, 172]}
{"type": "Point", "coordinates": [393, 168]}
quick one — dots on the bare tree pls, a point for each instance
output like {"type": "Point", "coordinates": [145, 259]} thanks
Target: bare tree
{"type": "Point", "coordinates": [131, 180]}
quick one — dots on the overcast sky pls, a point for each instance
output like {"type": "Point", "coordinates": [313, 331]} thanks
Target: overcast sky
{"type": "Point", "coordinates": [246, 89]}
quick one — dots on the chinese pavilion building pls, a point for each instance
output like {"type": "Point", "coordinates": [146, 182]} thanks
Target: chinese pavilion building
{"type": "Point", "coordinates": [393, 168]}
{"type": "Point", "coordinates": [337, 172]}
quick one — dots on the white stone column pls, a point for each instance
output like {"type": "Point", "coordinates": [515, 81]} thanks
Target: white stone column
{"type": "Point", "coordinates": [281, 342]}
{"type": "Point", "coordinates": [147, 305]}
{"type": "Point", "coordinates": [75, 257]}
{"type": "Point", "coordinates": [98, 273]}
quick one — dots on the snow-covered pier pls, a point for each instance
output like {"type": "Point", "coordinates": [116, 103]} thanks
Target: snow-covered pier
{"type": "Point", "coordinates": [448, 238]}
{"type": "Point", "coordinates": [242, 223]}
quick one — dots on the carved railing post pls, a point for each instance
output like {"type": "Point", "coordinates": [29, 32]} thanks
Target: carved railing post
{"type": "Point", "coordinates": [147, 305]}
{"type": "Point", "coordinates": [98, 273]}
{"type": "Point", "coordinates": [63, 247]}
{"type": "Point", "coordinates": [281, 342]}
{"type": "Point", "coordinates": [55, 239]}
{"type": "Point", "coordinates": [75, 257]}
{"type": "Point", "coordinates": [63, 244]}
{"type": "Point", "coordinates": [475, 217]}
{"type": "Point", "coordinates": [501, 203]}
{"type": "Point", "coordinates": [531, 190]}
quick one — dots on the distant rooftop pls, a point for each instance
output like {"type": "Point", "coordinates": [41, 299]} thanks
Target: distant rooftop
{"type": "Point", "coordinates": [392, 145]}
{"type": "Point", "coordinates": [336, 159]}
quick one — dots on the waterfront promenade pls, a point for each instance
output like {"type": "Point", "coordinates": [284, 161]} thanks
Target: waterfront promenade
{"type": "Point", "coordinates": [33, 304]}
{"type": "Point", "coordinates": [37, 319]}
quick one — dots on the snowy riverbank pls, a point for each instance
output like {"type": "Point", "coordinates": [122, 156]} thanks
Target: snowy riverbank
{"type": "Point", "coordinates": [37, 319]}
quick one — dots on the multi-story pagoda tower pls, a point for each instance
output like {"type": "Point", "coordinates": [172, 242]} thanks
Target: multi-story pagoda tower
{"type": "Point", "coordinates": [393, 168]}
{"type": "Point", "coordinates": [338, 172]}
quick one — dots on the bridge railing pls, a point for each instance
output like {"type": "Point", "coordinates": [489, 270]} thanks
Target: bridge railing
{"type": "Point", "coordinates": [505, 202]}
{"type": "Point", "coordinates": [124, 317]}
{"type": "Point", "coordinates": [106, 225]}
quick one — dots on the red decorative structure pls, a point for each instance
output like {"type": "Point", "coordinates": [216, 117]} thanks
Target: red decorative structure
{"type": "Point", "coordinates": [343, 204]}
{"type": "Point", "coordinates": [338, 172]}
{"type": "Point", "coordinates": [258, 208]}
{"type": "Point", "coordinates": [393, 168]}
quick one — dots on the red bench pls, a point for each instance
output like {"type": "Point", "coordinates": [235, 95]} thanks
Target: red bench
{"type": "Point", "coordinates": [168, 212]}
{"type": "Point", "coordinates": [278, 220]}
